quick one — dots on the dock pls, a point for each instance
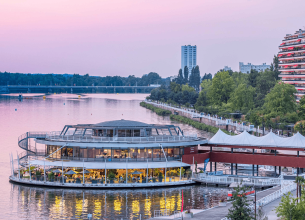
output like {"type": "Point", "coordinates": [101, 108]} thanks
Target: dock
{"type": "Point", "coordinates": [227, 180]}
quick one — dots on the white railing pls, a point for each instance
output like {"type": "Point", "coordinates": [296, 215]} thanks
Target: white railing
{"type": "Point", "coordinates": [247, 181]}
{"type": "Point", "coordinates": [193, 114]}
{"type": "Point", "coordinates": [88, 138]}
{"type": "Point", "coordinates": [277, 194]}
{"type": "Point", "coordinates": [273, 196]}
{"type": "Point", "coordinates": [160, 213]}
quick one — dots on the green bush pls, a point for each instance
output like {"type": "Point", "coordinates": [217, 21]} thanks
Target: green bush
{"type": "Point", "coordinates": [196, 124]}
{"type": "Point", "coordinates": [158, 111]}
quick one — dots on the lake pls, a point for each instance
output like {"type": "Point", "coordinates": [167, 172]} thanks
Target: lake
{"type": "Point", "coordinates": [34, 113]}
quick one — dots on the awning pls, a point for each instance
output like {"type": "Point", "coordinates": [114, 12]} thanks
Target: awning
{"type": "Point", "coordinates": [295, 65]}
{"type": "Point", "coordinates": [289, 54]}
{"type": "Point", "coordinates": [286, 66]}
{"type": "Point", "coordinates": [298, 40]}
{"type": "Point", "coordinates": [290, 48]}
{"type": "Point", "coordinates": [280, 55]}
{"type": "Point", "coordinates": [282, 44]}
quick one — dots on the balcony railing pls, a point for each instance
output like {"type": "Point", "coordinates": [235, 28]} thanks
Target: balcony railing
{"type": "Point", "coordinates": [291, 62]}
{"type": "Point", "coordinates": [55, 136]}
{"type": "Point", "coordinates": [292, 56]}
{"type": "Point", "coordinates": [293, 38]}
{"type": "Point", "coordinates": [292, 68]}
{"type": "Point", "coordinates": [290, 44]}
{"type": "Point", "coordinates": [294, 50]}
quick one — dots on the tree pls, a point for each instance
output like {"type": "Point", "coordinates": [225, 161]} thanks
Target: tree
{"type": "Point", "coordinates": [301, 108]}
{"type": "Point", "coordinates": [290, 209]}
{"type": "Point", "coordinates": [174, 87]}
{"type": "Point", "coordinates": [221, 89]}
{"type": "Point", "coordinates": [179, 79]}
{"type": "Point", "coordinates": [203, 98]}
{"type": "Point", "coordinates": [187, 88]}
{"type": "Point", "coordinates": [186, 74]}
{"type": "Point", "coordinates": [195, 78]}
{"type": "Point", "coordinates": [281, 99]}
{"type": "Point", "coordinates": [265, 81]}
{"type": "Point", "coordinates": [240, 209]}
{"type": "Point", "coordinates": [252, 78]}
{"type": "Point", "coordinates": [243, 98]}
{"type": "Point", "coordinates": [275, 67]}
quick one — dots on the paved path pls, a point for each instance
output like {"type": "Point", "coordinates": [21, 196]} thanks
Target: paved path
{"type": "Point", "coordinates": [270, 208]}
{"type": "Point", "coordinates": [221, 212]}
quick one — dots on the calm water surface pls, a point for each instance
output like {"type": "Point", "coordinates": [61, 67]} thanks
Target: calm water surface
{"type": "Point", "coordinates": [36, 114]}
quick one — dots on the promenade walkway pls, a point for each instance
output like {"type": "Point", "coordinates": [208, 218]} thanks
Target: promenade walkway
{"type": "Point", "coordinates": [218, 212]}
{"type": "Point", "coordinates": [210, 119]}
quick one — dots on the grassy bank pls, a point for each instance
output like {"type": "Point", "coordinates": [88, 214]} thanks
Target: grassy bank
{"type": "Point", "coordinates": [158, 111]}
{"type": "Point", "coordinates": [185, 120]}
{"type": "Point", "coordinates": [196, 124]}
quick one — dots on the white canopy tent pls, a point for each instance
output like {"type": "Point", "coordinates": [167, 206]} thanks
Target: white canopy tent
{"type": "Point", "coordinates": [269, 140]}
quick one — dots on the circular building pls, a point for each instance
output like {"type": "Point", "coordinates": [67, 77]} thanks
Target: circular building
{"type": "Point", "coordinates": [113, 154]}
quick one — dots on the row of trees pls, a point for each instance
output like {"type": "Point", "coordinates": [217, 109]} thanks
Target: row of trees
{"type": "Point", "coordinates": [76, 79]}
{"type": "Point", "coordinates": [192, 79]}
{"type": "Point", "coordinates": [260, 96]}
{"type": "Point", "coordinates": [175, 94]}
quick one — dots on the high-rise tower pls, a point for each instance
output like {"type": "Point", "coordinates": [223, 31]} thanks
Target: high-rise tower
{"type": "Point", "coordinates": [188, 57]}
{"type": "Point", "coordinates": [292, 61]}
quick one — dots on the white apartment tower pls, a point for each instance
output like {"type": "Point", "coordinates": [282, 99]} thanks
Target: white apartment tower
{"type": "Point", "coordinates": [188, 57]}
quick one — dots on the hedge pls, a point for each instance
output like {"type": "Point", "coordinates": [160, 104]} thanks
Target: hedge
{"type": "Point", "coordinates": [158, 111]}
{"type": "Point", "coordinates": [196, 124]}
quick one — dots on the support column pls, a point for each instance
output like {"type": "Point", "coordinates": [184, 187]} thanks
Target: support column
{"type": "Point", "coordinates": [62, 174]}
{"type": "Point", "coordinates": [231, 168]}
{"type": "Point", "coordinates": [298, 169]}
{"type": "Point", "coordinates": [44, 170]}
{"type": "Point", "coordinates": [30, 169]}
{"type": "Point", "coordinates": [275, 170]}
{"type": "Point", "coordinates": [211, 166]}
{"type": "Point", "coordinates": [18, 167]}
{"type": "Point", "coordinates": [127, 171]}
{"type": "Point", "coordinates": [84, 171]}
{"type": "Point", "coordinates": [180, 170]}
{"type": "Point", "coordinates": [215, 167]}
{"type": "Point", "coordinates": [165, 172]}
{"type": "Point", "coordinates": [231, 163]}
{"type": "Point", "coordinates": [236, 169]}
{"type": "Point", "coordinates": [280, 170]}
{"type": "Point", "coordinates": [256, 170]}
{"type": "Point", "coordinates": [147, 173]}
{"type": "Point", "coordinates": [106, 173]}
{"type": "Point", "coordinates": [252, 169]}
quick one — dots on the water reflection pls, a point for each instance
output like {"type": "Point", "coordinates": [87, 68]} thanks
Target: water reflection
{"type": "Point", "coordinates": [38, 202]}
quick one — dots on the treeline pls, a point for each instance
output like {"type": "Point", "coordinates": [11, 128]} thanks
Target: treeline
{"type": "Point", "coordinates": [175, 94]}
{"type": "Point", "coordinates": [193, 79]}
{"type": "Point", "coordinates": [79, 80]}
{"type": "Point", "coordinates": [260, 97]}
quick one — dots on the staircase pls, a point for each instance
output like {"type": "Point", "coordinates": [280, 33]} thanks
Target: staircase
{"type": "Point", "coordinates": [23, 143]}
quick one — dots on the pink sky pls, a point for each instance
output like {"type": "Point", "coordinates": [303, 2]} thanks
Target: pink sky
{"type": "Point", "coordinates": [135, 37]}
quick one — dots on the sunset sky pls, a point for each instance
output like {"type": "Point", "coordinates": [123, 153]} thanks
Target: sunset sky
{"type": "Point", "coordinates": [135, 37]}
